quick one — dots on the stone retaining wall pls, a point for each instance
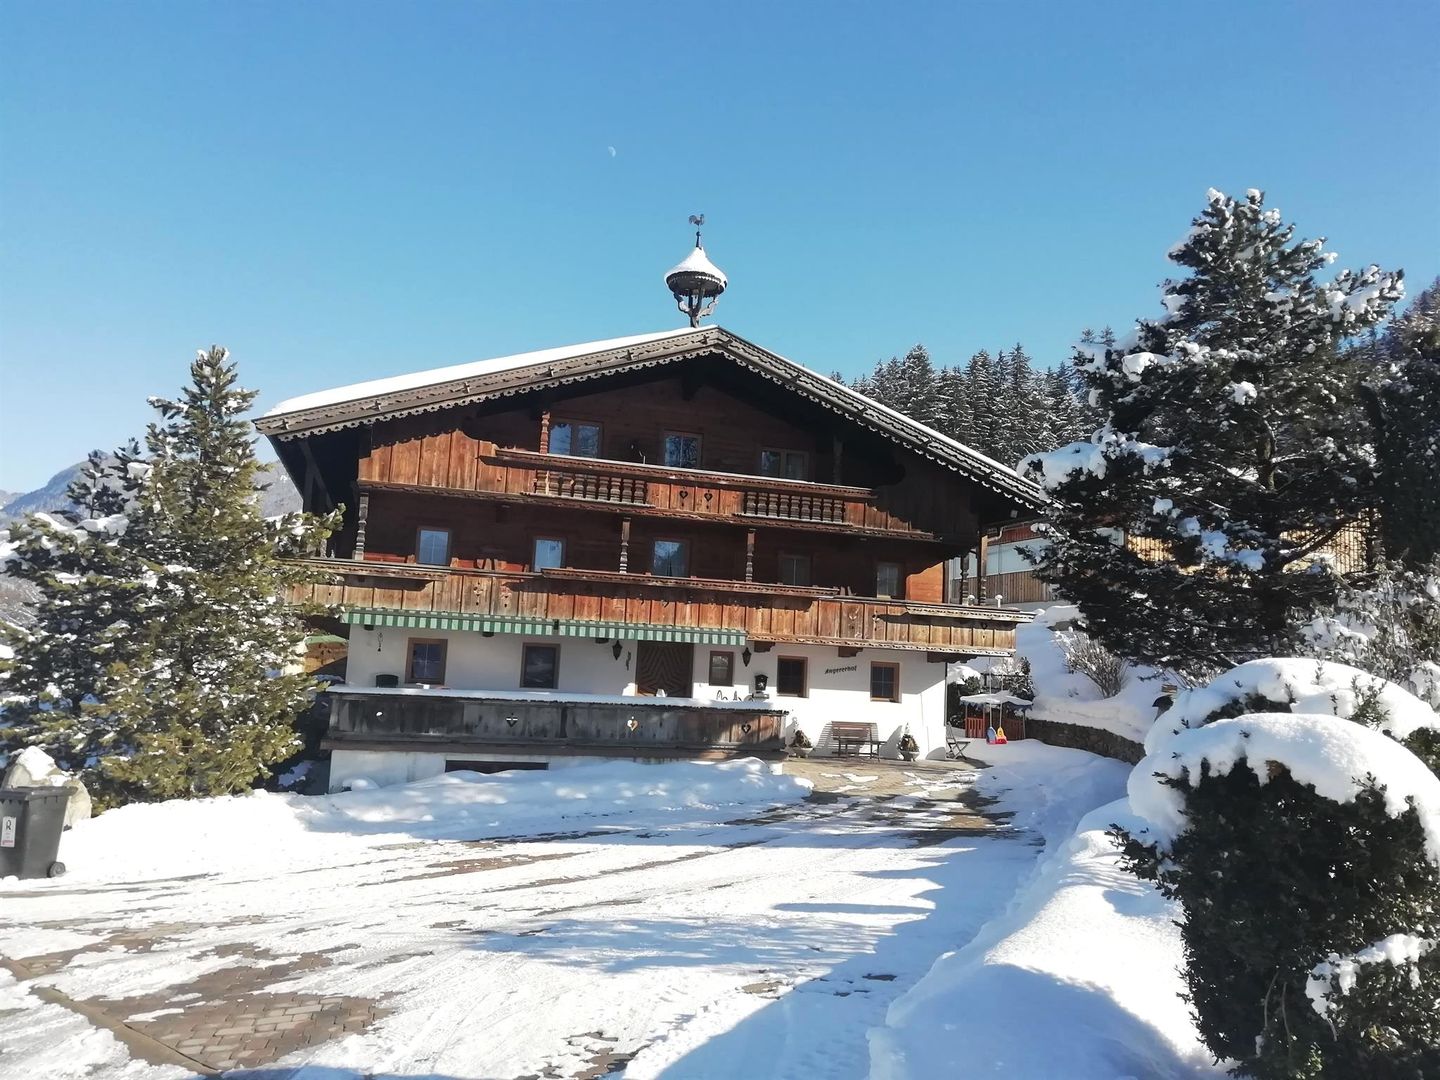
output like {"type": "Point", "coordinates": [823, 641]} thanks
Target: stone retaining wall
{"type": "Point", "coordinates": [1079, 737]}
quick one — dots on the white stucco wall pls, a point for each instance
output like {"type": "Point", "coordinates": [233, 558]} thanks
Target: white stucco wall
{"type": "Point", "coordinates": [839, 687]}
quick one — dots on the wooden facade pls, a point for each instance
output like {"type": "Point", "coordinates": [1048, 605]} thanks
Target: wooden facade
{"type": "Point", "coordinates": [705, 486]}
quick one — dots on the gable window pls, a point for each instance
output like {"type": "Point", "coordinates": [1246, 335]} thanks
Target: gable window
{"type": "Point", "coordinates": [549, 553]}
{"type": "Point", "coordinates": [540, 667]}
{"type": "Point", "coordinates": [575, 438]}
{"type": "Point", "coordinates": [790, 677]}
{"type": "Point", "coordinates": [887, 581]}
{"type": "Point", "coordinates": [432, 547]}
{"type": "Point", "coordinates": [682, 451]}
{"type": "Point", "coordinates": [794, 569]}
{"type": "Point", "coordinates": [884, 682]}
{"type": "Point", "coordinates": [786, 464]}
{"type": "Point", "coordinates": [670, 558]}
{"type": "Point", "coordinates": [425, 661]}
{"type": "Point", "coordinates": [722, 669]}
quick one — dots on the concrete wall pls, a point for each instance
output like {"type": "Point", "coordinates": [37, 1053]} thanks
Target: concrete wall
{"type": "Point", "coordinates": [839, 687]}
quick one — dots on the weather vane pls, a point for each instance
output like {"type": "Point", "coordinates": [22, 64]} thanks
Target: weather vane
{"type": "Point", "coordinates": [696, 283]}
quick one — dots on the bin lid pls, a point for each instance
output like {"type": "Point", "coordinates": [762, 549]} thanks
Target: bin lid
{"type": "Point", "coordinates": [30, 794]}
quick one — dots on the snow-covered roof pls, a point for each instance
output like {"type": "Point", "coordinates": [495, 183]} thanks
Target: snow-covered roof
{"type": "Point", "coordinates": [457, 372]}
{"type": "Point", "coordinates": [697, 262]}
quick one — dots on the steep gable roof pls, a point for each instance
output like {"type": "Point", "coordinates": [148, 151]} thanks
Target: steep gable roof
{"type": "Point", "coordinates": [464, 384]}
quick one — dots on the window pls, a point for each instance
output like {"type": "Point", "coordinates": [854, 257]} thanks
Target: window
{"type": "Point", "coordinates": [884, 682]}
{"type": "Point", "coordinates": [432, 547]}
{"type": "Point", "coordinates": [887, 580]}
{"type": "Point", "coordinates": [794, 569]}
{"type": "Point", "coordinates": [670, 559]}
{"type": "Point", "coordinates": [549, 553]}
{"type": "Point", "coordinates": [788, 464]}
{"type": "Point", "coordinates": [575, 438]}
{"type": "Point", "coordinates": [790, 676]}
{"type": "Point", "coordinates": [540, 667]}
{"type": "Point", "coordinates": [682, 451]}
{"type": "Point", "coordinates": [426, 662]}
{"type": "Point", "coordinates": [722, 669]}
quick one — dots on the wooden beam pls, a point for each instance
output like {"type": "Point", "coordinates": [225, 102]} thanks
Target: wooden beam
{"type": "Point", "coordinates": [749, 554]}
{"type": "Point", "coordinates": [837, 457]}
{"type": "Point", "coordinates": [362, 511]}
{"type": "Point", "coordinates": [624, 545]}
{"type": "Point", "coordinates": [545, 430]}
{"type": "Point", "coordinates": [982, 559]}
{"type": "Point", "coordinates": [312, 476]}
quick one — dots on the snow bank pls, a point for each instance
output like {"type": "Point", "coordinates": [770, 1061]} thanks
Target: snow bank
{"type": "Point", "coordinates": [1079, 978]}
{"type": "Point", "coordinates": [1305, 686]}
{"type": "Point", "coordinates": [270, 832]}
{"type": "Point", "coordinates": [1334, 756]}
{"type": "Point", "coordinates": [1071, 698]}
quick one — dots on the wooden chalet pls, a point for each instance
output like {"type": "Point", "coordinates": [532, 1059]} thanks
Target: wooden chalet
{"type": "Point", "coordinates": [674, 544]}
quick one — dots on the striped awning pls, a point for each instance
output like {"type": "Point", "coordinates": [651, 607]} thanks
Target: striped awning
{"type": "Point", "coordinates": [517, 624]}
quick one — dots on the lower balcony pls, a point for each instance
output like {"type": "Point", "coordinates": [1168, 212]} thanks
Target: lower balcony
{"type": "Point", "coordinates": [582, 603]}
{"type": "Point", "coordinates": [477, 724]}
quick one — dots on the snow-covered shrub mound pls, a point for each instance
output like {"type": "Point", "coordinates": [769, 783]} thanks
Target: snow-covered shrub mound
{"type": "Point", "coordinates": [1295, 840]}
{"type": "Point", "coordinates": [1071, 697]}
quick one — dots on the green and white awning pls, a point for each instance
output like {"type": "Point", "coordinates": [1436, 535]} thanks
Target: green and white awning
{"type": "Point", "coordinates": [534, 626]}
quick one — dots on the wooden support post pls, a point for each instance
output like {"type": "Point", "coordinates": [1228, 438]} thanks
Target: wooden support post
{"type": "Point", "coordinates": [545, 430]}
{"type": "Point", "coordinates": [749, 554]}
{"type": "Point", "coordinates": [362, 511]}
{"type": "Point", "coordinates": [312, 479]}
{"type": "Point", "coordinates": [837, 457]}
{"type": "Point", "coordinates": [625, 545]}
{"type": "Point", "coordinates": [982, 560]}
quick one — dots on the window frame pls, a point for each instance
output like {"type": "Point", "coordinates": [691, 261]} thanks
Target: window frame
{"type": "Point", "coordinates": [785, 456]}
{"type": "Point", "coordinates": [729, 655]}
{"type": "Point", "coordinates": [536, 540]}
{"type": "Point", "coordinates": [555, 667]}
{"type": "Point", "coordinates": [899, 593]}
{"type": "Point", "coordinates": [808, 561]}
{"type": "Point", "coordinates": [666, 436]}
{"type": "Point", "coordinates": [576, 423]}
{"type": "Point", "coordinates": [410, 644]}
{"type": "Point", "coordinates": [804, 662]}
{"type": "Point", "coordinates": [894, 669]}
{"type": "Point", "coordinates": [685, 554]}
{"type": "Point", "coordinates": [421, 530]}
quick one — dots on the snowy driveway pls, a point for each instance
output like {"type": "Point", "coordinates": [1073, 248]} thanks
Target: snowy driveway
{"type": "Point", "coordinates": [759, 940]}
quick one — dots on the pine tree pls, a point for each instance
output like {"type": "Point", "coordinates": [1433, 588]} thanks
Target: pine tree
{"type": "Point", "coordinates": [181, 601]}
{"type": "Point", "coordinates": [1231, 450]}
{"type": "Point", "coordinates": [982, 384]}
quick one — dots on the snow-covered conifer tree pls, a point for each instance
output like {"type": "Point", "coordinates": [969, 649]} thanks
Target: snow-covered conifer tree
{"type": "Point", "coordinates": [179, 595]}
{"type": "Point", "coordinates": [1233, 450]}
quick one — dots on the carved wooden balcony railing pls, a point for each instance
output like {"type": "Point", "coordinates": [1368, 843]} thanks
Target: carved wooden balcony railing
{"type": "Point", "coordinates": [758, 611]}
{"type": "Point", "coordinates": [527, 476]}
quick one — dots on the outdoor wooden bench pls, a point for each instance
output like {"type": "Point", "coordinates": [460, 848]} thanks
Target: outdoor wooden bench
{"type": "Point", "coordinates": [854, 738]}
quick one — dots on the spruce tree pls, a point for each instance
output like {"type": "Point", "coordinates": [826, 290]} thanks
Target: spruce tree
{"type": "Point", "coordinates": [1185, 529]}
{"type": "Point", "coordinates": [182, 601]}
{"type": "Point", "coordinates": [982, 384]}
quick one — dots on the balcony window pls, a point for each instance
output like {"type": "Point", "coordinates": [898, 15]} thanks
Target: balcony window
{"type": "Point", "coordinates": [785, 464]}
{"type": "Point", "coordinates": [549, 554]}
{"type": "Point", "coordinates": [790, 677]}
{"type": "Point", "coordinates": [682, 451]}
{"type": "Point", "coordinates": [670, 558]}
{"type": "Point", "coordinates": [884, 682]}
{"type": "Point", "coordinates": [575, 438]}
{"type": "Point", "coordinates": [540, 667]}
{"type": "Point", "coordinates": [722, 669]}
{"type": "Point", "coordinates": [426, 661]}
{"type": "Point", "coordinates": [432, 547]}
{"type": "Point", "coordinates": [794, 569]}
{"type": "Point", "coordinates": [888, 581]}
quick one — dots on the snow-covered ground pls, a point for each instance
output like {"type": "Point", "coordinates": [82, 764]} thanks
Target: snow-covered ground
{"type": "Point", "coordinates": [698, 917]}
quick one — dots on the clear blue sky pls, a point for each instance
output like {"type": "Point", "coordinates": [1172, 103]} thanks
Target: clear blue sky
{"type": "Point", "coordinates": [339, 191]}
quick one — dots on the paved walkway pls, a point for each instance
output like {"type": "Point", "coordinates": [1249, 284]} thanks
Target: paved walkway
{"type": "Point", "coordinates": [257, 1000]}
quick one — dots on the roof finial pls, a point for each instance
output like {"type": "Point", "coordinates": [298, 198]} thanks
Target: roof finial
{"type": "Point", "coordinates": [696, 283]}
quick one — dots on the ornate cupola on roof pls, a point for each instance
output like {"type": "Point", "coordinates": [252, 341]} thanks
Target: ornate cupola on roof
{"type": "Point", "coordinates": [696, 282]}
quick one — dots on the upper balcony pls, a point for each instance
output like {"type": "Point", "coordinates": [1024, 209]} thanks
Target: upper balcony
{"type": "Point", "coordinates": [526, 476]}
{"type": "Point", "coordinates": [612, 604]}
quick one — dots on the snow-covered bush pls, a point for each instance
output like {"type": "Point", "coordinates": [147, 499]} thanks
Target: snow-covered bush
{"type": "Point", "coordinates": [1302, 838]}
{"type": "Point", "coordinates": [1086, 656]}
